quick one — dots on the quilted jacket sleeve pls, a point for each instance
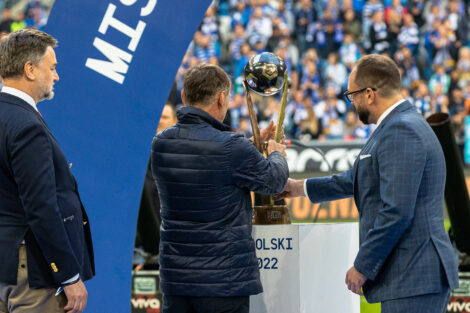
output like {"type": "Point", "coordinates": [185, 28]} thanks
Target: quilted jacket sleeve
{"type": "Point", "coordinates": [254, 172]}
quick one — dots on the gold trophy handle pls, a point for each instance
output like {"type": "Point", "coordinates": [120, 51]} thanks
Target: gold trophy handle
{"type": "Point", "coordinates": [282, 110]}
{"type": "Point", "coordinates": [253, 119]}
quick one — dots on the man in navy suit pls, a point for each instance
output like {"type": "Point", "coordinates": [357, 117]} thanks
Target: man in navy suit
{"type": "Point", "coordinates": [405, 260]}
{"type": "Point", "coordinates": [45, 239]}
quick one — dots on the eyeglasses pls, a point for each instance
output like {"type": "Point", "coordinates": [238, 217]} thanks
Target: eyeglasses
{"type": "Point", "coordinates": [349, 94]}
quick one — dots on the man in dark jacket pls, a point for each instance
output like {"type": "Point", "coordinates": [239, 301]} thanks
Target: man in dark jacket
{"type": "Point", "coordinates": [45, 239]}
{"type": "Point", "coordinates": [204, 174]}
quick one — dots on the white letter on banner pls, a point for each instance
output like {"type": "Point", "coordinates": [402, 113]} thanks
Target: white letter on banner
{"type": "Point", "coordinates": [109, 20]}
{"type": "Point", "coordinates": [148, 8]}
{"type": "Point", "coordinates": [128, 2]}
{"type": "Point", "coordinates": [113, 68]}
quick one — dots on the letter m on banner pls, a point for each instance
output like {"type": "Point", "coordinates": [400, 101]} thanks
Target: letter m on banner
{"type": "Point", "coordinates": [115, 67]}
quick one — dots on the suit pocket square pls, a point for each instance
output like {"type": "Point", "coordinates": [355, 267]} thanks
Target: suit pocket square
{"type": "Point", "coordinates": [364, 156]}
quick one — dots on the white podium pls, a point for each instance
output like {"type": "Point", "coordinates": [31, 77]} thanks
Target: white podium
{"type": "Point", "coordinates": [303, 268]}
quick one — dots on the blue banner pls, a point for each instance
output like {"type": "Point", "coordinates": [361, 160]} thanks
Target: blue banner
{"type": "Point", "coordinates": [116, 60]}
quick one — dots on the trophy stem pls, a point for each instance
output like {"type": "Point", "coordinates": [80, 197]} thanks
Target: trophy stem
{"type": "Point", "coordinates": [282, 110]}
{"type": "Point", "coordinates": [253, 119]}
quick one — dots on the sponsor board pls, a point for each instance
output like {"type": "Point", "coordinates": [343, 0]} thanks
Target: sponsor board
{"type": "Point", "coordinates": [340, 156]}
{"type": "Point", "coordinates": [460, 298]}
{"type": "Point", "coordinates": [145, 296]}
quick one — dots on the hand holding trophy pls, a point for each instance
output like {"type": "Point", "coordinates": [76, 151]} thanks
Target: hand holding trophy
{"type": "Point", "coordinates": [266, 75]}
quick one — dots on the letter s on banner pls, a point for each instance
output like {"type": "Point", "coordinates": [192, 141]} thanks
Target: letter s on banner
{"type": "Point", "coordinates": [115, 69]}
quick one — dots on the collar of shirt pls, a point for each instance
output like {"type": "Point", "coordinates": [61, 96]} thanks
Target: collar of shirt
{"type": "Point", "coordinates": [20, 94]}
{"type": "Point", "coordinates": [387, 112]}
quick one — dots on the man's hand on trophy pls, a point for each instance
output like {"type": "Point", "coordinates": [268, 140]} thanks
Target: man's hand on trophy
{"type": "Point", "coordinates": [293, 188]}
{"type": "Point", "coordinates": [274, 146]}
{"type": "Point", "coordinates": [269, 132]}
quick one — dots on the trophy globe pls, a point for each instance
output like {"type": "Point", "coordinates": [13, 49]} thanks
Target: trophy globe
{"type": "Point", "coordinates": [264, 74]}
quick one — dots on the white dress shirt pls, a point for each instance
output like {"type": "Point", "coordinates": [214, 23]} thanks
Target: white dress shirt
{"type": "Point", "coordinates": [20, 94]}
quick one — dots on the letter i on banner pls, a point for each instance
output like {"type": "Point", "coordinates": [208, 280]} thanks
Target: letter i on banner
{"type": "Point", "coordinates": [117, 62]}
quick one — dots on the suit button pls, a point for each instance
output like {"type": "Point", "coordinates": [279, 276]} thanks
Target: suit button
{"type": "Point", "coordinates": [23, 266]}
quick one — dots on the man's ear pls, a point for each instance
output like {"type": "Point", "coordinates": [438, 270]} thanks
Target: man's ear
{"type": "Point", "coordinates": [371, 95]}
{"type": "Point", "coordinates": [221, 99]}
{"type": "Point", "coordinates": [182, 96]}
{"type": "Point", "coordinates": [28, 71]}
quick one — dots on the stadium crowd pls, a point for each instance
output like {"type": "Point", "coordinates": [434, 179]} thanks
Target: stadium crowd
{"type": "Point", "coordinates": [320, 41]}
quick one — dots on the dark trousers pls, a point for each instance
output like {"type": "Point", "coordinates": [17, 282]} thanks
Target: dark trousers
{"type": "Point", "coordinates": [184, 304]}
{"type": "Point", "coordinates": [429, 303]}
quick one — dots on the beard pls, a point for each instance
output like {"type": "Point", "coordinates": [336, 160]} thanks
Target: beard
{"type": "Point", "coordinates": [49, 95]}
{"type": "Point", "coordinates": [363, 114]}
{"type": "Point", "coordinates": [364, 117]}
{"type": "Point", "coordinates": [47, 89]}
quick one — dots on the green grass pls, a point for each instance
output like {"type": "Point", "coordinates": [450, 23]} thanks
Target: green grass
{"type": "Point", "coordinates": [368, 307]}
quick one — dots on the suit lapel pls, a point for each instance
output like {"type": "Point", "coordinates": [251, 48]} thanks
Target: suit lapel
{"type": "Point", "coordinates": [372, 139]}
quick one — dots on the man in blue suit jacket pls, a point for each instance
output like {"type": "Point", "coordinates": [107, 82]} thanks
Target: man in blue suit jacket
{"type": "Point", "coordinates": [405, 259]}
{"type": "Point", "coordinates": [45, 239]}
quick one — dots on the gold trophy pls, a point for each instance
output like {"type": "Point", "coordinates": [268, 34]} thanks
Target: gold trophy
{"type": "Point", "coordinates": [266, 75]}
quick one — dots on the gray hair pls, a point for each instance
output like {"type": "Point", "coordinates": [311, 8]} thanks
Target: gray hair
{"type": "Point", "coordinates": [21, 47]}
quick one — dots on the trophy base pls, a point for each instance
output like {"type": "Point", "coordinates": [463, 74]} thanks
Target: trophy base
{"type": "Point", "coordinates": [271, 215]}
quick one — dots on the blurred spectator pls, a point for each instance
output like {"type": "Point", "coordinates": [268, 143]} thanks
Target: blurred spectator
{"type": "Point", "coordinates": [458, 22]}
{"type": "Point", "coordinates": [294, 114]}
{"type": "Point", "coordinates": [351, 24]}
{"type": "Point", "coordinates": [310, 83]}
{"type": "Point", "coordinates": [416, 9]}
{"type": "Point", "coordinates": [457, 102]}
{"type": "Point", "coordinates": [305, 17]}
{"type": "Point", "coordinates": [329, 34]}
{"type": "Point", "coordinates": [286, 16]}
{"type": "Point", "coordinates": [19, 22]}
{"type": "Point", "coordinates": [330, 112]}
{"type": "Point", "coordinates": [240, 15]}
{"type": "Point", "coordinates": [440, 78]}
{"type": "Point", "coordinates": [335, 73]}
{"type": "Point", "coordinates": [210, 25]}
{"type": "Point", "coordinates": [463, 67]}
{"type": "Point", "coordinates": [409, 34]}
{"type": "Point", "coordinates": [280, 31]}
{"type": "Point", "coordinates": [406, 61]}
{"type": "Point", "coordinates": [394, 17]}
{"type": "Point", "coordinates": [422, 99]}
{"type": "Point", "coordinates": [259, 27]}
{"type": "Point", "coordinates": [443, 45]}
{"type": "Point", "coordinates": [435, 14]}
{"type": "Point", "coordinates": [309, 125]}
{"type": "Point", "coordinates": [378, 34]}
{"type": "Point", "coordinates": [370, 7]}
{"type": "Point", "coordinates": [36, 16]}
{"type": "Point", "coordinates": [290, 55]}
{"type": "Point", "coordinates": [238, 39]}
{"type": "Point", "coordinates": [5, 25]}
{"type": "Point", "coordinates": [349, 51]}
{"type": "Point", "coordinates": [206, 47]}
{"type": "Point", "coordinates": [439, 100]}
